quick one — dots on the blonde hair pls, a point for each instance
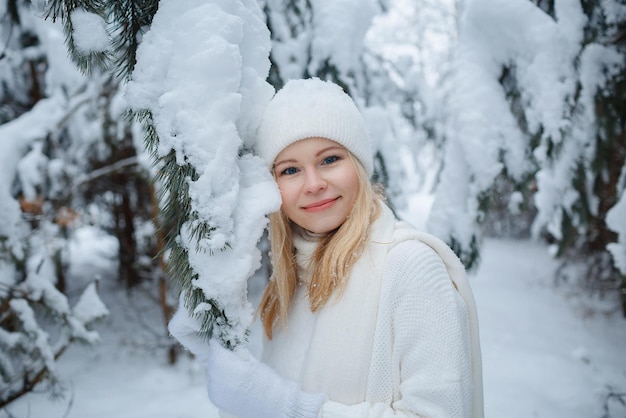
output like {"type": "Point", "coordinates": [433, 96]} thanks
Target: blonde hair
{"type": "Point", "coordinates": [332, 261]}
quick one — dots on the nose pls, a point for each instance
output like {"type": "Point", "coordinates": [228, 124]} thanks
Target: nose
{"type": "Point", "coordinates": [313, 181]}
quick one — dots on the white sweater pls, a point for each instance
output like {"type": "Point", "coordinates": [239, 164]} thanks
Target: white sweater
{"type": "Point", "coordinates": [397, 343]}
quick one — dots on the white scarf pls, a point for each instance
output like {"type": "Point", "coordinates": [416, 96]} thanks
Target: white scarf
{"type": "Point", "coordinates": [343, 335]}
{"type": "Point", "coordinates": [330, 350]}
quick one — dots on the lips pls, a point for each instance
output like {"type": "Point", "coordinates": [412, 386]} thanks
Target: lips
{"type": "Point", "coordinates": [320, 205]}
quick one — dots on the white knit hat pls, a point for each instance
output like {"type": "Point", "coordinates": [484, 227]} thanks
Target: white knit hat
{"type": "Point", "coordinates": [313, 108]}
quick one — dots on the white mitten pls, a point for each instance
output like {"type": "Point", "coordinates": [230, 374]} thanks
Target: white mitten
{"type": "Point", "coordinates": [240, 384]}
{"type": "Point", "coordinates": [185, 329]}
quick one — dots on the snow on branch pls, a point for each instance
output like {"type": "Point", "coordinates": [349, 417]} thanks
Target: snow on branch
{"type": "Point", "coordinates": [522, 103]}
{"type": "Point", "coordinates": [16, 136]}
{"type": "Point", "coordinates": [200, 83]}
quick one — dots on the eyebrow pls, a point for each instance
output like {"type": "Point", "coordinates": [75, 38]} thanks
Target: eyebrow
{"type": "Point", "coordinates": [317, 154]}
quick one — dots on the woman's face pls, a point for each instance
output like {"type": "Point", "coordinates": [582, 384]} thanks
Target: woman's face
{"type": "Point", "coordinates": [318, 183]}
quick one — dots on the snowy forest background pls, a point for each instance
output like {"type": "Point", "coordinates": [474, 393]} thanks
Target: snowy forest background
{"type": "Point", "coordinates": [128, 125]}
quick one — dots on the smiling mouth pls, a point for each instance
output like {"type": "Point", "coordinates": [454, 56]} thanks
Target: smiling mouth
{"type": "Point", "coordinates": [321, 205]}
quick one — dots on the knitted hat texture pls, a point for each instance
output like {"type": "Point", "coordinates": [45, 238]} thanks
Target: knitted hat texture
{"type": "Point", "coordinates": [310, 108]}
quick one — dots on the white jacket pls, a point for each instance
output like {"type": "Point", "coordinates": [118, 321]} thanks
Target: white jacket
{"type": "Point", "coordinates": [402, 340]}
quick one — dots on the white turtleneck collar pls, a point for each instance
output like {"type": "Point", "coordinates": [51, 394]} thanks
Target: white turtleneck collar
{"type": "Point", "coordinates": [305, 243]}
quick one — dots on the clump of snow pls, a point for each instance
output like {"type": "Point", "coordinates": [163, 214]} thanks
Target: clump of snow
{"type": "Point", "coordinates": [515, 202]}
{"type": "Point", "coordinates": [223, 276]}
{"type": "Point", "coordinates": [31, 169]}
{"type": "Point", "coordinates": [90, 33]}
{"type": "Point", "coordinates": [91, 246]}
{"type": "Point", "coordinates": [62, 75]}
{"type": "Point", "coordinates": [36, 334]}
{"type": "Point", "coordinates": [87, 310]}
{"type": "Point", "coordinates": [308, 36]}
{"type": "Point", "coordinates": [41, 276]}
{"type": "Point", "coordinates": [89, 307]}
{"type": "Point", "coordinates": [16, 136]}
{"type": "Point", "coordinates": [615, 11]}
{"type": "Point", "coordinates": [339, 32]}
{"type": "Point", "coordinates": [616, 220]}
{"type": "Point", "coordinates": [201, 71]}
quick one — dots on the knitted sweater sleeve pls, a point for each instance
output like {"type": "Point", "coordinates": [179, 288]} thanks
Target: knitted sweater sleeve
{"type": "Point", "coordinates": [423, 327]}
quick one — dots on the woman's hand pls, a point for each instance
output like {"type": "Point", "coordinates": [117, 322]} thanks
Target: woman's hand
{"type": "Point", "coordinates": [237, 382]}
{"type": "Point", "coordinates": [185, 328]}
{"type": "Point", "coordinates": [240, 384]}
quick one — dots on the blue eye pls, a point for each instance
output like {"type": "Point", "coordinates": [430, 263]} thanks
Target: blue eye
{"type": "Point", "coordinates": [331, 159]}
{"type": "Point", "coordinates": [289, 171]}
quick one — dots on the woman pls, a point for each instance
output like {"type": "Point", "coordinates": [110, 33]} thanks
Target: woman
{"type": "Point", "coordinates": [363, 316]}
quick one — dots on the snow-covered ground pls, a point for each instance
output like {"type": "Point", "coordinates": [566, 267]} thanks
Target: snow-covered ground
{"type": "Point", "coordinates": [547, 352]}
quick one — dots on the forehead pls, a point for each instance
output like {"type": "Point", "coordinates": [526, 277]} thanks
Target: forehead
{"type": "Point", "coordinates": [307, 147]}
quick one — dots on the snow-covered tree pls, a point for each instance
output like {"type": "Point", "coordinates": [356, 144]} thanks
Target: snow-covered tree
{"type": "Point", "coordinates": [42, 98]}
{"type": "Point", "coordinates": [535, 105]}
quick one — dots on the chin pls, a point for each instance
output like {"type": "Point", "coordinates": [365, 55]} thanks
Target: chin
{"type": "Point", "coordinates": [324, 228]}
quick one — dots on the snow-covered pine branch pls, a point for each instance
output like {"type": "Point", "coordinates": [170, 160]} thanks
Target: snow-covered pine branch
{"type": "Point", "coordinates": [49, 136]}
{"type": "Point", "coordinates": [85, 32]}
{"type": "Point", "coordinates": [200, 83]}
{"type": "Point", "coordinates": [28, 263]}
{"type": "Point", "coordinates": [534, 100]}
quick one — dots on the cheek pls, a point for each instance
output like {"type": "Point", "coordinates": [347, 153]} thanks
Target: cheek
{"type": "Point", "coordinates": [288, 194]}
{"type": "Point", "coordinates": [351, 182]}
